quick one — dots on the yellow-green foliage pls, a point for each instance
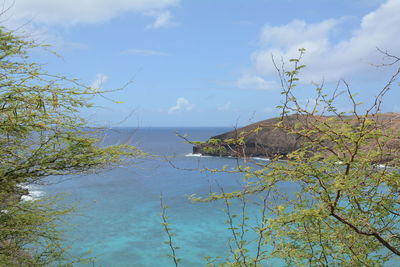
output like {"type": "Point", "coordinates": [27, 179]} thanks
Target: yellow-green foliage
{"type": "Point", "coordinates": [345, 210]}
{"type": "Point", "coordinates": [41, 134]}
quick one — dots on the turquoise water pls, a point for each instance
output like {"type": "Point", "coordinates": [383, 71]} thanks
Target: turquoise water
{"type": "Point", "coordinates": [118, 210]}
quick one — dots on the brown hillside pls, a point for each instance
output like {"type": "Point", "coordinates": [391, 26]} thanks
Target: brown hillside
{"type": "Point", "coordinates": [271, 141]}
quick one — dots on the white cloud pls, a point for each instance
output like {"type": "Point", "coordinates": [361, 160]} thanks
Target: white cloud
{"type": "Point", "coordinates": [83, 11]}
{"type": "Point", "coordinates": [143, 52]}
{"type": "Point", "coordinates": [162, 20]}
{"type": "Point", "coordinates": [255, 82]}
{"type": "Point", "coordinates": [182, 104]}
{"type": "Point", "coordinates": [297, 31]}
{"type": "Point", "coordinates": [37, 17]}
{"type": "Point", "coordinates": [325, 58]}
{"type": "Point", "coordinates": [226, 107]}
{"type": "Point", "coordinates": [98, 83]}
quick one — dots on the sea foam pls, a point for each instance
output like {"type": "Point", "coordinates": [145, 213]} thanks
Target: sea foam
{"type": "Point", "coordinates": [33, 192]}
{"type": "Point", "coordinates": [261, 159]}
{"type": "Point", "coordinates": [197, 155]}
{"type": "Point", "coordinates": [229, 157]}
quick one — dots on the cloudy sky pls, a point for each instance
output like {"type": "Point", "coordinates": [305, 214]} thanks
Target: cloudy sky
{"type": "Point", "coordinates": [208, 63]}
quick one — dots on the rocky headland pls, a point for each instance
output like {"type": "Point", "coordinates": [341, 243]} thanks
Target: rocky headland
{"type": "Point", "coordinates": [264, 139]}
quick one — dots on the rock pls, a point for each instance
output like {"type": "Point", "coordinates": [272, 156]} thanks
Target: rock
{"type": "Point", "coordinates": [271, 141]}
{"type": "Point", "coordinates": [268, 142]}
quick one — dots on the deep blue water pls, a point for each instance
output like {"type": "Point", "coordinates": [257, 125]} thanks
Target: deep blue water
{"type": "Point", "coordinates": [118, 216]}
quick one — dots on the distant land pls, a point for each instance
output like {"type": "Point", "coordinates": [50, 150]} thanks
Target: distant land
{"type": "Point", "coordinates": [271, 141]}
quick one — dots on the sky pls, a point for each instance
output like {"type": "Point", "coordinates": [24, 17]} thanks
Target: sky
{"type": "Point", "coordinates": [208, 63]}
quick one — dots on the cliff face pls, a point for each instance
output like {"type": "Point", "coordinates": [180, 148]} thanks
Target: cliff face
{"type": "Point", "coordinates": [271, 141]}
{"type": "Point", "coordinates": [267, 142]}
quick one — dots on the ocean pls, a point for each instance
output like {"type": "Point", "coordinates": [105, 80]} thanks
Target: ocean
{"type": "Point", "coordinates": [118, 211]}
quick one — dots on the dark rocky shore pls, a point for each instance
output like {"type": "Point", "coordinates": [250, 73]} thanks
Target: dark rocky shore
{"type": "Point", "coordinates": [271, 141]}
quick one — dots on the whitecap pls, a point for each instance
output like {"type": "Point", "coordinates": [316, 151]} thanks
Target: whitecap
{"type": "Point", "coordinates": [261, 159]}
{"type": "Point", "coordinates": [25, 186]}
{"type": "Point", "coordinates": [26, 198]}
{"type": "Point", "coordinates": [382, 166]}
{"type": "Point", "coordinates": [196, 155]}
{"type": "Point", "coordinates": [33, 193]}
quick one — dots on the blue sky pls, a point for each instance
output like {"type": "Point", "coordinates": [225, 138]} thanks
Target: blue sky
{"type": "Point", "coordinates": [208, 63]}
